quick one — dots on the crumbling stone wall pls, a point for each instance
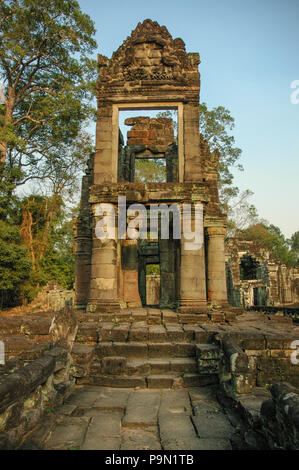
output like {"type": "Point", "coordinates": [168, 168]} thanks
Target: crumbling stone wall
{"type": "Point", "coordinates": [148, 138]}
{"type": "Point", "coordinates": [58, 297]}
{"type": "Point", "coordinates": [256, 359]}
{"type": "Point", "coordinates": [280, 417]}
{"type": "Point", "coordinates": [155, 133]}
{"type": "Point", "coordinates": [278, 281]}
{"type": "Point", "coordinates": [31, 387]}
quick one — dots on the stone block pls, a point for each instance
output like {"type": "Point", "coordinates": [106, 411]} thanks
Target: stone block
{"type": "Point", "coordinates": [113, 365]}
{"type": "Point", "coordinates": [161, 350]}
{"type": "Point", "coordinates": [137, 350]}
{"type": "Point", "coordinates": [207, 351]}
{"type": "Point", "coordinates": [159, 381]}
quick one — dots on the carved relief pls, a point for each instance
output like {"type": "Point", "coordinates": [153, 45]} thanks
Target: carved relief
{"type": "Point", "coordinates": [150, 53]}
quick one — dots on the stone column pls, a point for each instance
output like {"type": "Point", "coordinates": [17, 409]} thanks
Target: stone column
{"type": "Point", "coordinates": [193, 294]}
{"type": "Point", "coordinates": [83, 243]}
{"type": "Point", "coordinates": [130, 273]}
{"type": "Point", "coordinates": [82, 269]}
{"type": "Point", "coordinates": [106, 154]}
{"type": "Point", "coordinates": [104, 275]}
{"type": "Point", "coordinates": [193, 168]}
{"type": "Point", "coordinates": [216, 266]}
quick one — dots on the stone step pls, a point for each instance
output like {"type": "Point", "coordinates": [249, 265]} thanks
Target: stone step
{"type": "Point", "coordinates": [122, 366]}
{"type": "Point", "coordinates": [93, 333]}
{"type": "Point", "coordinates": [139, 350]}
{"type": "Point", "coordinates": [153, 316]}
{"type": "Point", "coordinates": [157, 381]}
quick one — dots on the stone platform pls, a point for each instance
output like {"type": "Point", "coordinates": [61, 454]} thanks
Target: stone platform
{"type": "Point", "coordinates": [151, 379]}
{"type": "Point", "coordinates": [99, 418]}
{"type": "Point", "coordinates": [153, 348]}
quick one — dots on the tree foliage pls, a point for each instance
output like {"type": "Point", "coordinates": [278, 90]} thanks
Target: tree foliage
{"type": "Point", "coordinates": [15, 265]}
{"type": "Point", "coordinates": [48, 83]}
{"type": "Point", "coordinates": [271, 238]}
{"type": "Point", "coordinates": [147, 170]}
{"type": "Point", "coordinates": [214, 126]}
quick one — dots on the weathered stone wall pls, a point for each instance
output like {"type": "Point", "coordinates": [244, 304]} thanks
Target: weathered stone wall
{"type": "Point", "coordinates": [29, 388]}
{"type": "Point", "coordinates": [280, 417]}
{"type": "Point", "coordinates": [156, 134]}
{"type": "Point", "coordinates": [256, 359]}
{"type": "Point", "coordinates": [280, 283]}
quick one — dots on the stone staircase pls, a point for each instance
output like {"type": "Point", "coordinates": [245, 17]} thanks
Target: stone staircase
{"type": "Point", "coordinates": [148, 348]}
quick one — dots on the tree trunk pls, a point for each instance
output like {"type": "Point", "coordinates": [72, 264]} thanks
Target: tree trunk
{"type": "Point", "coordinates": [8, 119]}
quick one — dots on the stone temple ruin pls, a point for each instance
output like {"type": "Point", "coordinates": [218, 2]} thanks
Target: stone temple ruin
{"type": "Point", "coordinates": [256, 279]}
{"type": "Point", "coordinates": [150, 71]}
{"type": "Point", "coordinates": [114, 374]}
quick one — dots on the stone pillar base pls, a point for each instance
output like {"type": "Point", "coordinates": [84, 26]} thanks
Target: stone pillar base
{"type": "Point", "coordinates": [193, 306]}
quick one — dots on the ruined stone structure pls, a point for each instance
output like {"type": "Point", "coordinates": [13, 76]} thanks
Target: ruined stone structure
{"type": "Point", "coordinates": [151, 70]}
{"type": "Point", "coordinates": [255, 278]}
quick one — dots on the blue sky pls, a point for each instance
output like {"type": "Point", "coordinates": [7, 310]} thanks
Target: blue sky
{"type": "Point", "coordinates": [249, 58]}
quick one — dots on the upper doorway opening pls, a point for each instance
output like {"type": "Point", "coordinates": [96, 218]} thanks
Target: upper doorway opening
{"type": "Point", "coordinates": [148, 145]}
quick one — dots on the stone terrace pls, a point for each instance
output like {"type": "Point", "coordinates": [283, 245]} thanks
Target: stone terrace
{"type": "Point", "coordinates": [99, 418]}
{"type": "Point", "coordinates": [157, 379]}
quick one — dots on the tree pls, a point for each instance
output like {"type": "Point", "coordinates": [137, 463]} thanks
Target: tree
{"type": "Point", "coordinates": [147, 170]}
{"type": "Point", "coordinates": [15, 266]}
{"type": "Point", "coordinates": [214, 125]}
{"type": "Point", "coordinates": [241, 214]}
{"type": "Point", "coordinates": [48, 83]}
{"type": "Point", "coordinates": [271, 238]}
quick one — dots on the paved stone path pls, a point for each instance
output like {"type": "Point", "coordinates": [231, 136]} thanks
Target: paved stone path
{"type": "Point", "coordinates": [100, 418]}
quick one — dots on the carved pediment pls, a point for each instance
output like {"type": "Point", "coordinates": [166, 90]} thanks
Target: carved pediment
{"type": "Point", "coordinates": [150, 53]}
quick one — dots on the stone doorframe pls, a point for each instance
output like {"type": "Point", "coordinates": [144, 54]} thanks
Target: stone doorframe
{"type": "Point", "coordinates": [178, 106]}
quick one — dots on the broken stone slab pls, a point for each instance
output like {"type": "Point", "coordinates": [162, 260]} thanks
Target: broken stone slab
{"type": "Point", "coordinates": [174, 402]}
{"type": "Point", "coordinates": [68, 435]}
{"type": "Point", "coordinates": [111, 399]}
{"type": "Point", "coordinates": [104, 424]}
{"type": "Point", "coordinates": [142, 409]}
{"type": "Point", "coordinates": [211, 423]}
{"type": "Point", "coordinates": [177, 432]}
{"type": "Point", "coordinates": [140, 440]}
